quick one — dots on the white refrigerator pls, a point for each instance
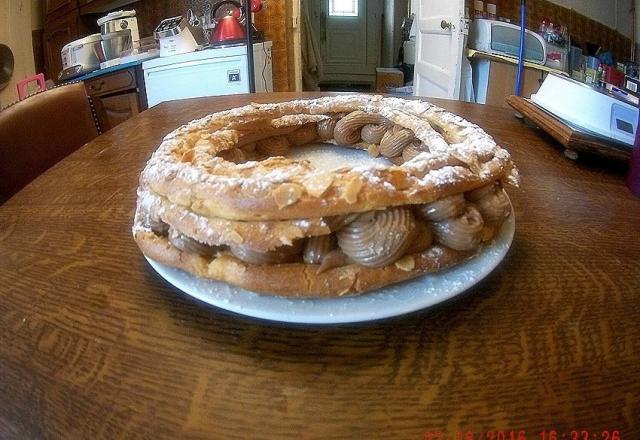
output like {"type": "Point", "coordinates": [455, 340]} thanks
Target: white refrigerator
{"type": "Point", "coordinates": [208, 72]}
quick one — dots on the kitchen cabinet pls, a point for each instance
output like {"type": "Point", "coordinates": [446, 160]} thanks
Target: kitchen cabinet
{"type": "Point", "coordinates": [56, 34]}
{"type": "Point", "coordinates": [56, 8]}
{"type": "Point", "coordinates": [499, 81]}
{"type": "Point", "coordinates": [117, 96]}
{"type": "Point", "coordinates": [117, 109]}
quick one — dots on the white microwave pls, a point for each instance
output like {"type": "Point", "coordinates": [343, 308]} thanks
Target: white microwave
{"type": "Point", "coordinates": [500, 38]}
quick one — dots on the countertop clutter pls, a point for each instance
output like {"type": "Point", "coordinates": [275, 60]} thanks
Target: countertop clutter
{"type": "Point", "coordinates": [183, 58]}
{"type": "Point", "coordinates": [93, 344]}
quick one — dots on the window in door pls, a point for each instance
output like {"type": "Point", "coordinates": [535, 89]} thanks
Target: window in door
{"type": "Point", "coordinates": [343, 8]}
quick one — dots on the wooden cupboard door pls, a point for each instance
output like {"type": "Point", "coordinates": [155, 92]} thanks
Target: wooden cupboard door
{"type": "Point", "coordinates": [56, 34]}
{"type": "Point", "coordinates": [502, 80]}
{"type": "Point", "coordinates": [113, 110]}
{"type": "Point", "coordinates": [56, 8]}
{"type": "Point", "coordinates": [111, 83]}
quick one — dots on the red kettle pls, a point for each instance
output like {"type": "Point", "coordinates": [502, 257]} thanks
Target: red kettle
{"type": "Point", "coordinates": [228, 28]}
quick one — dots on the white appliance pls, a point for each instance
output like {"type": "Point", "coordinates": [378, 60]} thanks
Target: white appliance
{"type": "Point", "coordinates": [588, 109]}
{"type": "Point", "coordinates": [175, 36]}
{"type": "Point", "coordinates": [209, 72]}
{"type": "Point", "coordinates": [119, 21]}
{"type": "Point", "coordinates": [500, 38]}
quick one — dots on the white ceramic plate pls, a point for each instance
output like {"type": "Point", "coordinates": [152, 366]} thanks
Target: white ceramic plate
{"type": "Point", "coordinates": [390, 301]}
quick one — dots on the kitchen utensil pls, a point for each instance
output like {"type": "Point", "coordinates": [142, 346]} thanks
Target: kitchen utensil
{"type": "Point", "coordinates": [119, 21]}
{"type": "Point", "coordinates": [175, 36]}
{"type": "Point", "coordinates": [6, 65]}
{"type": "Point", "coordinates": [81, 56]}
{"type": "Point", "coordinates": [228, 27]}
{"type": "Point", "coordinates": [199, 33]}
{"type": "Point", "coordinates": [114, 43]}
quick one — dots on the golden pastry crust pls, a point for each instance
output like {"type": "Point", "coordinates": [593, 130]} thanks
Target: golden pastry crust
{"type": "Point", "coordinates": [187, 170]}
{"type": "Point", "coordinates": [204, 206]}
{"type": "Point", "coordinates": [299, 280]}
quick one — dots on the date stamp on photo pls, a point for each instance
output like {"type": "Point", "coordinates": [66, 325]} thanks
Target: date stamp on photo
{"type": "Point", "coordinates": [549, 434]}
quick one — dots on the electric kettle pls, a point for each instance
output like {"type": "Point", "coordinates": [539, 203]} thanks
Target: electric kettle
{"type": "Point", "coordinates": [228, 28]}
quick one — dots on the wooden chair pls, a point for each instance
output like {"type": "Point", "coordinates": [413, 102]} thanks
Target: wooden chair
{"type": "Point", "coordinates": [39, 131]}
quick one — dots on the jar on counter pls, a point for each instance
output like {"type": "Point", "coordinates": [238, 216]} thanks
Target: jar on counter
{"type": "Point", "coordinates": [478, 9]}
{"type": "Point", "coordinates": [492, 11]}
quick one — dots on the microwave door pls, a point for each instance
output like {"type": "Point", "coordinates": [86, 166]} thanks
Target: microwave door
{"type": "Point", "coordinates": [440, 41]}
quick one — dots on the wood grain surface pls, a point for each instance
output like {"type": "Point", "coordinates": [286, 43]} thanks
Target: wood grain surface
{"type": "Point", "coordinates": [93, 344]}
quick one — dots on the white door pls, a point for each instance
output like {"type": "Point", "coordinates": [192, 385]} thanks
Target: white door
{"type": "Point", "coordinates": [440, 41]}
{"type": "Point", "coordinates": [350, 36]}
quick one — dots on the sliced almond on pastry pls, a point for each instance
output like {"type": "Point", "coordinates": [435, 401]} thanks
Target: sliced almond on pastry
{"type": "Point", "coordinates": [406, 263]}
{"type": "Point", "coordinates": [351, 190]}
{"type": "Point", "coordinates": [318, 184]}
{"type": "Point", "coordinates": [287, 194]}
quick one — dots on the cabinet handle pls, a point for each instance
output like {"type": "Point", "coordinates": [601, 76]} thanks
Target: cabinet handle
{"type": "Point", "coordinates": [97, 87]}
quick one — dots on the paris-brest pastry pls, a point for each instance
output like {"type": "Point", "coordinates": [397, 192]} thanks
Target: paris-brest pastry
{"type": "Point", "coordinates": [221, 200]}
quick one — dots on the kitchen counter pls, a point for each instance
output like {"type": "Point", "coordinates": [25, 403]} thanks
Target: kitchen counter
{"type": "Point", "coordinates": [472, 53]}
{"type": "Point", "coordinates": [94, 344]}
{"type": "Point", "coordinates": [100, 72]}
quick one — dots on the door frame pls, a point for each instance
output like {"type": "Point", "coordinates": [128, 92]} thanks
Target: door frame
{"type": "Point", "coordinates": [294, 48]}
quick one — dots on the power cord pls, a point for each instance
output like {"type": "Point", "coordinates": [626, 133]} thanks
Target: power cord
{"type": "Point", "coordinates": [264, 67]}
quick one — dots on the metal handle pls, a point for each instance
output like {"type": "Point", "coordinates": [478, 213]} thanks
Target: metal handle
{"type": "Point", "coordinates": [444, 24]}
{"type": "Point", "coordinates": [97, 87]}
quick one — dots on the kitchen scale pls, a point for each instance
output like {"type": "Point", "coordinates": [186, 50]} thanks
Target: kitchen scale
{"type": "Point", "coordinates": [588, 109]}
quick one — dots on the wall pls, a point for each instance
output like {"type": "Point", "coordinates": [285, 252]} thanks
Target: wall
{"type": "Point", "coordinates": [15, 32]}
{"type": "Point", "coordinates": [612, 13]}
{"type": "Point", "coordinates": [275, 20]}
{"type": "Point", "coordinates": [37, 18]}
{"type": "Point", "coordinates": [624, 22]}
{"type": "Point", "coordinates": [637, 24]}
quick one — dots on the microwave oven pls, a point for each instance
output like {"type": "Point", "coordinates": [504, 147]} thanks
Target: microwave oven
{"type": "Point", "coordinates": [500, 38]}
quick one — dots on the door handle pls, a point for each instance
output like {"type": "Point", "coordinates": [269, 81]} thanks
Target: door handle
{"type": "Point", "coordinates": [444, 24]}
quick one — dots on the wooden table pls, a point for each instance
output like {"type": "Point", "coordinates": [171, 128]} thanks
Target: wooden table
{"type": "Point", "coordinates": [93, 344]}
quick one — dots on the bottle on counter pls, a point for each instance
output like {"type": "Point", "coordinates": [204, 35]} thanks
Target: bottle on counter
{"type": "Point", "coordinates": [478, 9]}
{"type": "Point", "coordinates": [491, 11]}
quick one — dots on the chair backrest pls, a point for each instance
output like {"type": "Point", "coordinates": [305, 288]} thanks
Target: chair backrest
{"type": "Point", "coordinates": [39, 131]}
